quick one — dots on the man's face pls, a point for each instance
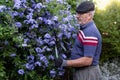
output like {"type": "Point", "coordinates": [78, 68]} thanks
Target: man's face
{"type": "Point", "coordinates": [83, 18]}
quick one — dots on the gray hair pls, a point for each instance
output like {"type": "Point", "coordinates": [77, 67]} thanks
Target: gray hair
{"type": "Point", "coordinates": [92, 13]}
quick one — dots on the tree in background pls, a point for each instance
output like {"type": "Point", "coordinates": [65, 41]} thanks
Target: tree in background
{"type": "Point", "coordinates": [108, 22]}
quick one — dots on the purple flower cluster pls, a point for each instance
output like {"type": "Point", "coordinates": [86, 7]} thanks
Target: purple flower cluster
{"type": "Point", "coordinates": [2, 8]}
{"type": "Point", "coordinates": [44, 34]}
{"type": "Point", "coordinates": [21, 71]}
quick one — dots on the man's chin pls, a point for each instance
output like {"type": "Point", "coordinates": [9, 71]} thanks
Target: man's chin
{"type": "Point", "coordinates": [79, 22]}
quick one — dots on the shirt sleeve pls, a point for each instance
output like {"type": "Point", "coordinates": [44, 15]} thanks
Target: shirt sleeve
{"type": "Point", "coordinates": [89, 43]}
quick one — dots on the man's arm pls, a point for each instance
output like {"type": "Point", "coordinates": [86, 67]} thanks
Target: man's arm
{"type": "Point", "coordinates": [80, 62]}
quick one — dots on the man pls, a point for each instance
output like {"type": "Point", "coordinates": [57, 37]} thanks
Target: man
{"type": "Point", "coordinates": [87, 47]}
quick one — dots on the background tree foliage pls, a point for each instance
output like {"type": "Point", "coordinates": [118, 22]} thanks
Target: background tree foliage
{"type": "Point", "coordinates": [108, 23]}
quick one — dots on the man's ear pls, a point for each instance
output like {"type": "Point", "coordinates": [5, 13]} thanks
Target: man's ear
{"type": "Point", "coordinates": [89, 15]}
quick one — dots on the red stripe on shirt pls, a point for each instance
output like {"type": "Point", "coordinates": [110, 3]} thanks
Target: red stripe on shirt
{"type": "Point", "coordinates": [87, 40]}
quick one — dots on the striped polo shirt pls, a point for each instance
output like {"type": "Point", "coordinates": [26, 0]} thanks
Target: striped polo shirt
{"type": "Point", "coordinates": [88, 43]}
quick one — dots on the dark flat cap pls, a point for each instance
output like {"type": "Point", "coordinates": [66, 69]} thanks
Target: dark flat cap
{"type": "Point", "coordinates": [85, 7]}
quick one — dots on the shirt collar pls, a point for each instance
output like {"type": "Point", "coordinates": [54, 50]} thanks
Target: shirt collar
{"type": "Point", "coordinates": [86, 25]}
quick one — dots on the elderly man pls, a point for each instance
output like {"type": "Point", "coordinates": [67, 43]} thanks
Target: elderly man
{"type": "Point", "coordinates": [87, 47]}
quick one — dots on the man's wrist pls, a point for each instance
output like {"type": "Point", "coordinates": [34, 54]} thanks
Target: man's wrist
{"type": "Point", "coordinates": [64, 63]}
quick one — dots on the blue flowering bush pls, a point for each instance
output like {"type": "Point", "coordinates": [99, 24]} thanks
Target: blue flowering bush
{"type": "Point", "coordinates": [8, 39]}
{"type": "Point", "coordinates": [35, 33]}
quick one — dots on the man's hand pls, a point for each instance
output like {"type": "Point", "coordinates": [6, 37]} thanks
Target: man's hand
{"type": "Point", "coordinates": [58, 62]}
